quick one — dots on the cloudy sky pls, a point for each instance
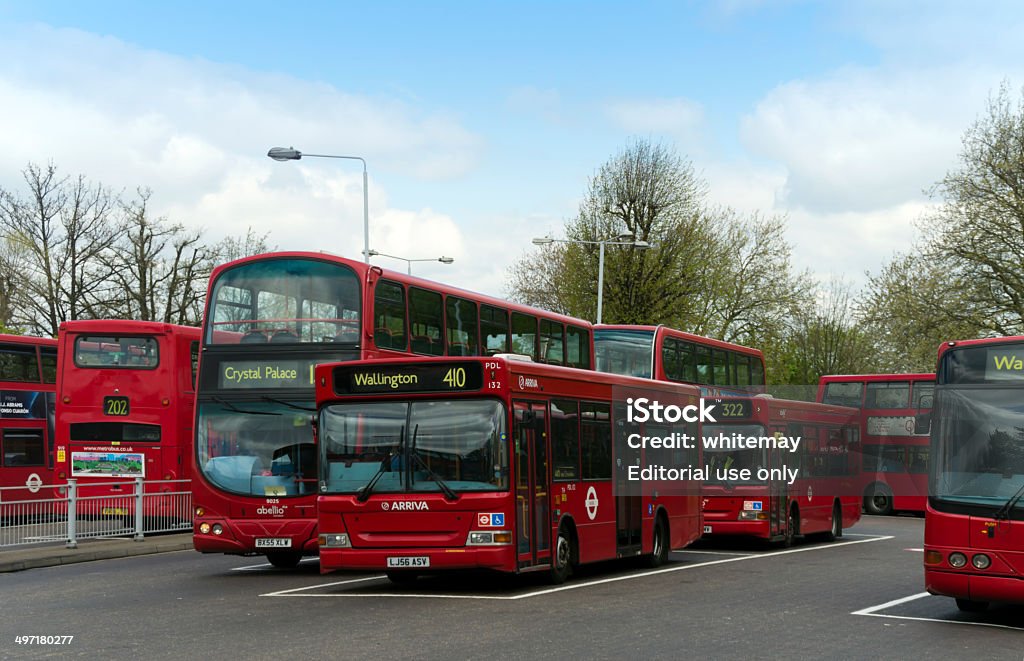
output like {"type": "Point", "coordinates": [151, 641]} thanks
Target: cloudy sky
{"type": "Point", "coordinates": [481, 122]}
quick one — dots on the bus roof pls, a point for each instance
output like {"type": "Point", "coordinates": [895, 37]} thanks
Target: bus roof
{"type": "Point", "coordinates": [28, 340]}
{"type": "Point", "coordinates": [666, 330]}
{"type": "Point", "coordinates": [362, 269]}
{"type": "Point", "coordinates": [129, 326]}
{"type": "Point", "coordinates": [954, 344]}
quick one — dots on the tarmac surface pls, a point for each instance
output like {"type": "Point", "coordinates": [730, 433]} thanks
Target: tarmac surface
{"type": "Point", "coordinates": [32, 556]}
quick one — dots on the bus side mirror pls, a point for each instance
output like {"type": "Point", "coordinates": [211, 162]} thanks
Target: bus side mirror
{"type": "Point", "coordinates": [923, 422]}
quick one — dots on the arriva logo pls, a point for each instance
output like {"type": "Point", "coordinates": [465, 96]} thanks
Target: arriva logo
{"type": "Point", "coordinates": [273, 510]}
{"type": "Point", "coordinates": [405, 505]}
{"type": "Point", "coordinates": [527, 382]}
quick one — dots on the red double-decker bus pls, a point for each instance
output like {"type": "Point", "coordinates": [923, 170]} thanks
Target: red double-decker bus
{"type": "Point", "coordinates": [974, 522]}
{"type": "Point", "coordinates": [125, 400]}
{"type": "Point", "coordinates": [665, 354]}
{"type": "Point", "coordinates": [28, 370]}
{"type": "Point", "coordinates": [269, 319]}
{"type": "Point", "coordinates": [497, 464]}
{"type": "Point", "coordinates": [801, 463]}
{"type": "Point", "coordinates": [894, 435]}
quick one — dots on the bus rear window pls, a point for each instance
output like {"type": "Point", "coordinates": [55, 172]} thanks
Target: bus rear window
{"type": "Point", "coordinates": [114, 352]}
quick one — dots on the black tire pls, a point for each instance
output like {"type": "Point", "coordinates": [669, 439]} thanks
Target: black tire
{"type": "Point", "coordinates": [660, 544]}
{"type": "Point", "coordinates": [968, 606]}
{"type": "Point", "coordinates": [878, 500]}
{"type": "Point", "coordinates": [836, 529]}
{"type": "Point", "coordinates": [284, 559]}
{"type": "Point", "coordinates": [561, 557]}
{"type": "Point", "coordinates": [402, 577]}
{"type": "Point", "coordinates": [791, 526]}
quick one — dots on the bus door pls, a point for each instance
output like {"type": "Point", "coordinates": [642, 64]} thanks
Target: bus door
{"type": "Point", "coordinates": [777, 491]}
{"type": "Point", "coordinates": [628, 495]}
{"type": "Point", "coordinates": [533, 512]}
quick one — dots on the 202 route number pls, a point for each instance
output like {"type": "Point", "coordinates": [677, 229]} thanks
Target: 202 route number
{"type": "Point", "coordinates": [455, 377]}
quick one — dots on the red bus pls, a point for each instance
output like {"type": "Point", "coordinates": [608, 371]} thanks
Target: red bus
{"type": "Point", "coordinates": [494, 463]}
{"type": "Point", "coordinates": [665, 354]}
{"type": "Point", "coordinates": [974, 522]}
{"type": "Point", "coordinates": [125, 399]}
{"type": "Point", "coordinates": [269, 319]}
{"type": "Point", "coordinates": [894, 435]}
{"type": "Point", "coordinates": [803, 463]}
{"type": "Point", "coordinates": [28, 370]}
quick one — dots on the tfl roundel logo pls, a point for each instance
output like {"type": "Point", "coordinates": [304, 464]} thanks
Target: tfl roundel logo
{"type": "Point", "coordinates": [490, 520]}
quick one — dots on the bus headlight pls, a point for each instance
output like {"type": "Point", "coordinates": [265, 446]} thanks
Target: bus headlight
{"type": "Point", "coordinates": [218, 529]}
{"type": "Point", "coordinates": [204, 528]}
{"type": "Point", "coordinates": [957, 559]}
{"type": "Point", "coordinates": [981, 561]}
{"type": "Point", "coordinates": [334, 541]}
{"type": "Point", "coordinates": [753, 516]}
{"type": "Point", "coordinates": [200, 511]}
{"type": "Point", "coordinates": [489, 538]}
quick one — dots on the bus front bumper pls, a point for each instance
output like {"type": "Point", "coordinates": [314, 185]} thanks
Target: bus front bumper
{"type": "Point", "coordinates": [498, 558]}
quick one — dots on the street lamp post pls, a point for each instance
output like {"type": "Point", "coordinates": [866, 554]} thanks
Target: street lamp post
{"type": "Point", "coordinates": [617, 241]}
{"type": "Point", "coordinates": [292, 154]}
{"type": "Point", "coordinates": [443, 260]}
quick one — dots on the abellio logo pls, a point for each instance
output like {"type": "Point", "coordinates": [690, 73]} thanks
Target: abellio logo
{"type": "Point", "coordinates": [272, 510]}
{"type": "Point", "coordinates": [404, 505]}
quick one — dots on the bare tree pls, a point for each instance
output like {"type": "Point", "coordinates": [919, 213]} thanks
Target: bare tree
{"type": "Point", "coordinates": [59, 234]}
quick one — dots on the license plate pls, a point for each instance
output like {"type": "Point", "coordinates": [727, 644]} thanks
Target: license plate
{"type": "Point", "coordinates": [115, 511]}
{"type": "Point", "coordinates": [273, 543]}
{"type": "Point", "coordinates": [707, 530]}
{"type": "Point", "coordinates": [409, 561]}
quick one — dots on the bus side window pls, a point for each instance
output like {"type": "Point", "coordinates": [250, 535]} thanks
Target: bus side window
{"type": "Point", "coordinates": [494, 330]}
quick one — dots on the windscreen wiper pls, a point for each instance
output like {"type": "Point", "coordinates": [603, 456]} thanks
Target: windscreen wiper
{"type": "Point", "coordinates": [385, 465]}
{"type": "Point", "coordinates": [1004, 511]}
{"type": "Point", "coordinates": [234, 409]}
{"type": "Point", "coordinates": [447, 490]}
{"type": "Point", "coordinates": [288, 404]}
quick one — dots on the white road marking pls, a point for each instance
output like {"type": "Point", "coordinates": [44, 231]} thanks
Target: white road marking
{"type": "Point", "coordinates": [680, 551]}
{"type": "Point", "coordinates": [872, 611]}
{"type": "Point", "coordinates": [284, 593]}
{"type": "Point", "coordinates": [562, 588]}
{"type": "Point", "coordinates": [915, 550]}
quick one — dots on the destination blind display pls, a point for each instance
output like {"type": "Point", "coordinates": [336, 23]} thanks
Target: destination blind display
{"type": "Point", "coordinates": [251, 374]}
{"type": "Point", "coordinates": [1005, 364]}
{"type": "Point", "coordinates": [387, 379]}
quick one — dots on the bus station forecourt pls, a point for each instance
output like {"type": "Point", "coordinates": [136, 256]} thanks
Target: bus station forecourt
{"type": "Point", "coordinates": [394, 425]}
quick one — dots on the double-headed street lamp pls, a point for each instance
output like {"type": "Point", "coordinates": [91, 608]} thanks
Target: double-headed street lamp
{"type": "Point", "coordinates": [443, 260]}
{"type": "Point", "coordinates": [621, 240]}
{"type": "Point", "coordinates": [292, 154]}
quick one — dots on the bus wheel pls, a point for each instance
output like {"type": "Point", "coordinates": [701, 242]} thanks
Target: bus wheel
{"type": "Point", "coordinates": [561, 561]}
{"type": "Point", "coordinates": [402, 577]}
{"type": "Point", "coordinates": [791, 519]}
{"type": "Point", "coordinates": [284, 559]}
{"type": "Point", "coordinates": [836, 530]}
{"type": "Point", "coordinates": [878, 500]}
{"type": "Point", "coordinates": [968, 606]}
{"type": "Point", "coordinates": [659, 555]}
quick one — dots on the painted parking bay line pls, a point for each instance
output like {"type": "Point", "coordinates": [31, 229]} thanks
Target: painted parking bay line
{"type": "Point", "coordinates": [874, 611]}
{"type": "Point", "coordinates": [298, 592]}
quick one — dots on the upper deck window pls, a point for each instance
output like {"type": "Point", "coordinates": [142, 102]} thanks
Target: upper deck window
{"type": "Point", "coordinates": [18, 363]}
{"type": "Point", "coordinates": [116, 352]}
{"type": "Point", "coordinates": [285, 301]}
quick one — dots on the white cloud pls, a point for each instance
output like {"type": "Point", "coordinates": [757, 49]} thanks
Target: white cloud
{"type": "Point", "coordinates": [861, 139]}
{"type": "Point", "coordinates": [197, 132]}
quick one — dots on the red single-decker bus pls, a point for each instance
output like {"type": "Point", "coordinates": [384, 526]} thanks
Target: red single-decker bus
{"type": "Point", "coordinates": [802, 463]}
{"type": "Point", "coordinates": [494, 463]}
